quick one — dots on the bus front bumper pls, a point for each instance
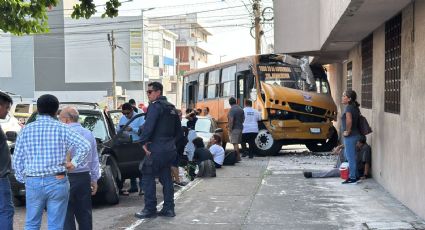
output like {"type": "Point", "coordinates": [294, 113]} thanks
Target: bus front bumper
{"type": "Point", "coordinates": [294, 129]}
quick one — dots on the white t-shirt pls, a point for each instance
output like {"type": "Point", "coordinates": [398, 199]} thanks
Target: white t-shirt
{"type": "Point", "coordinates": [218, 153]}
{"type": "Point", "coordinates": [189, 149]}
{"type": "Point", "coordinates": [252, 116]}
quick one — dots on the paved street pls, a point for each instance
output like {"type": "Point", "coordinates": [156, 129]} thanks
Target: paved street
{"type": "Point", "coordinates": [267, 193]}
{"type": "Point", "coordinates": [104, 216]}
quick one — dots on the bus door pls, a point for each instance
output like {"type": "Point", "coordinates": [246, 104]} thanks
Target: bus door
{"type": "Point", "coordinates": [245, 82]}
{"type": "Point", "coordinates": [192, 91]}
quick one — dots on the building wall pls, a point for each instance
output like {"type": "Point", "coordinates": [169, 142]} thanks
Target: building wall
{"type": "Point", "coordinates": [397, 139]}
{"type": "Point", "coordinates": [21, 57]}
{"type": "Point", "coordinates": [313, 19]}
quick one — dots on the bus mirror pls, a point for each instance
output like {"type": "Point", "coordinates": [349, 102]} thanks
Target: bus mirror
{"type": "Point", "coordinates": [253, 94]}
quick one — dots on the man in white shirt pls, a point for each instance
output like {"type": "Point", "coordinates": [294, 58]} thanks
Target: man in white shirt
{"type": "Point", "coordinates": [250, 127]}
{"type": "Point", "coordinates": [216, 150]}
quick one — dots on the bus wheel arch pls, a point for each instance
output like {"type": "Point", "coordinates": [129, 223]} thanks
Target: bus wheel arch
{"type": "Point", "coordinates": [324, 145]}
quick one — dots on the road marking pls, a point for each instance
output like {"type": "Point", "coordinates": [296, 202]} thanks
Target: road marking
{"type": "Point", "coordinates": [176, 197]}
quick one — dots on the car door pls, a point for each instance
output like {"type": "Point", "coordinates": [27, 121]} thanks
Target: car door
{"type": "Point", "coordinates": [128, 153]}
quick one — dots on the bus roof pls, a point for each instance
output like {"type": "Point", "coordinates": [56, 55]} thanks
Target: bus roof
{"type": "Point", "coordinates": [239, 60]}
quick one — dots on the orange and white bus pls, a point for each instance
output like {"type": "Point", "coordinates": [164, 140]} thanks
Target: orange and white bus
{"type": "Point", "coordinates": [296, 107]}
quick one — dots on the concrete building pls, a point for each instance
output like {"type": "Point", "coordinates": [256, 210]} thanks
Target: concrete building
{"type": "Point", "coordinates": [191, 46]}
{"type": "Point", "coordinates": [377, 48]}
{"type": "Point", "coordinates": [74, 61]}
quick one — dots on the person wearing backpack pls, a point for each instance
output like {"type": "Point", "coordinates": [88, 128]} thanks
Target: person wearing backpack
{"type": "Point", "coordinates": [350, 132]}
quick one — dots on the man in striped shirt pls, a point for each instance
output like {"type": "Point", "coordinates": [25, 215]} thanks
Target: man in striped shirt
{"type": "Point", "coordinates": [39, 161]}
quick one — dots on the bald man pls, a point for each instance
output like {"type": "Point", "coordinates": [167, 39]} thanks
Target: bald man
{"type": "Point", "coordinates": [83, 179]}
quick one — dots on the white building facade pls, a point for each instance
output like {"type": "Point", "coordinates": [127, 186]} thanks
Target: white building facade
{"type": "Point", "coordinates": [377, 48]}
{"type": "Point", "coordinates": [74, 60]}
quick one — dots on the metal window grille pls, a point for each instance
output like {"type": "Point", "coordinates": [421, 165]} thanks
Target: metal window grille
{"type": "Point", "coordinates": [367, 66]}
{"type": "Point", "coordinates": [392, 64]}
{"type": "Point", "coordinates": [350, 75]}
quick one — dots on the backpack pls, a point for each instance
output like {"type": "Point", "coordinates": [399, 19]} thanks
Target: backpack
{"type": "Point", "coordinates": [230, 158]}
{"type": "Point", "coordinates": [364, 126]}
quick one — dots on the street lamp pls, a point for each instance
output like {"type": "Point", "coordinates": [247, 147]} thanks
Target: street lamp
{"type": "Point", "coordinates": [143, 54]}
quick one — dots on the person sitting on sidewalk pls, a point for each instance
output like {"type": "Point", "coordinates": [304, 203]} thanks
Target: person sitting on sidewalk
{"type": "Point", "coordinates": [204, 159]}
{"type": "Point", "coordinates": [216, 150]}
{"type": "Point", "coordinates": [364, 160]}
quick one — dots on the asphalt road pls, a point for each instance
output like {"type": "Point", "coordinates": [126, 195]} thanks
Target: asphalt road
{"type": "Point", "coordinates": [121, 216]}
{"type": "Point", "coordinates": [117, 216]}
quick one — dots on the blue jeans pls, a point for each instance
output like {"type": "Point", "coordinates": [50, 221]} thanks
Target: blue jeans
{"type": "Point", "coordinates": [6, 204]}
{"type": "Point", "coordinates": [350, 154]}
{"type": "Point", "coordinates": [46, 192]}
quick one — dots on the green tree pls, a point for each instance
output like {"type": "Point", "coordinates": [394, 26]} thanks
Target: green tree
{"type": "Point", "coordinates": [30, 16]}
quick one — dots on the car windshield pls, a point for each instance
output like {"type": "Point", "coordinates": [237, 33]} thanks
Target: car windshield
{"type": "Point", "coordinates": [95, 124]}
{"type": "Point", "coordinates": [202, 125]}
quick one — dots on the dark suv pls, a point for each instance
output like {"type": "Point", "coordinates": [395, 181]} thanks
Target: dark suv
{"type": "Point", "coordinates": [119, 156]}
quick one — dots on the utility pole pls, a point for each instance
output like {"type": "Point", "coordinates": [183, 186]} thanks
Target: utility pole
{"type": "Point", "coordinates": [257, 14]}
{"type": "Point", "coordinates": [143, 55]}
{"type": "Point", "coordinates": [111, 40]}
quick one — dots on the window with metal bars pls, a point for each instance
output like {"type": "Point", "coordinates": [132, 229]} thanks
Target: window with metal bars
{"type": "Point", "coordinates": [350, 75]}
{"type": "Point", "coordinates": [392, 64]}
{"type": "Point", "coordinates": [367, 65]}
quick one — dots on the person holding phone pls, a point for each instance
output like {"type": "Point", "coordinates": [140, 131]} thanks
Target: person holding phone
{"type": "Point", "coordinates": [132, 129]}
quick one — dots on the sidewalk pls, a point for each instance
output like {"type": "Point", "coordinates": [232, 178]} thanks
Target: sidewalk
{"type": "Point", "coordinates": [272, 193]}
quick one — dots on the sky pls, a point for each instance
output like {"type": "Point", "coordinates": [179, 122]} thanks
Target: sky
{"type": "Point", "coordinates": [229, 21]}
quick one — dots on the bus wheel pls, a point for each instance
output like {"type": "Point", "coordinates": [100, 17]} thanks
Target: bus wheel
{"type": "Point", "coordinates": [324, 145]}
{"type": "Point", "coordinates": [265, 144]}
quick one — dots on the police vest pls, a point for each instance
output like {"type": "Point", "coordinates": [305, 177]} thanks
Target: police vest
{"type": "Point", "coordinates": [166, 124]}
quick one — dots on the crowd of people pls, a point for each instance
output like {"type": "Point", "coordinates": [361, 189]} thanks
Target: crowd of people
{"type": "Point", "coordinates": [58, 160]}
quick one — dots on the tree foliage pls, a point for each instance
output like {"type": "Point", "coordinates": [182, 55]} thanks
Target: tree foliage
{"type": "Point", "coordinates": [30, 16]}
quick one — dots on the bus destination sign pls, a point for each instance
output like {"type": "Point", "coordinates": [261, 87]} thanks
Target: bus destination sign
{"type": "Point", "coordinates": [276, 72]}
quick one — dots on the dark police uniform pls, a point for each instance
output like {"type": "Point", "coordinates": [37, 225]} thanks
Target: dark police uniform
{"type": "Point", "coordinates": [162, 125]}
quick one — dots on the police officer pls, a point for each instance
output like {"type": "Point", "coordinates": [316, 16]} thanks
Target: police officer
{"type": "Point", "coordinates": [162, 125]}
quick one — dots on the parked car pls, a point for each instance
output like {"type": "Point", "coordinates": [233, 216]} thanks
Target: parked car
{"type": "Point", "coordinates": [119, 157]}
{"type": "Point", "coordinates": [22, 110]}
{"type": "Point", "coordinates": [10, 123]}
{"type": "Point", "coordinates": [205, 128]}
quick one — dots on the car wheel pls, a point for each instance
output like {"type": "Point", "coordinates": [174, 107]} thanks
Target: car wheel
{"type": "Point", "coordinates": [265, 145]}
{"type": "Point", "coordinates": [324, 145]}
{"type": "Point", "coordinates": [111, 194]}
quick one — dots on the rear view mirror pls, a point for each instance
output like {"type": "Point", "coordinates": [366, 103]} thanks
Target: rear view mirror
{"type": "Point", "coordinates": [11, 136]}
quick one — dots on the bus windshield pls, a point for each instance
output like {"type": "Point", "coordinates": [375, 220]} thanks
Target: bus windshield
{"type": "Point", "coordinates": [291, 77]}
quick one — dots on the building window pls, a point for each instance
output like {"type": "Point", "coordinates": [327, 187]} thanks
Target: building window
{"type": "Point", "coordinates": [367, 66]}
{"type": "Point", "coordinates": [166, 44]}
{"type": "Point", "coordinates": [156, 60]}
{"type": "Point", "coordinates": [392, 64]}
{"type": "Point", "coordinates": [350, 75]}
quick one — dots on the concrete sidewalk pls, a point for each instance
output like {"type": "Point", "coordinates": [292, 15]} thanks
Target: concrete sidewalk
{"type": "Point", "coordinates": [272, 193]}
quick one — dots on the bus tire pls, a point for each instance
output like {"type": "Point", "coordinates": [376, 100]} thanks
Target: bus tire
{"type": "Point", "coordinates": [265, 145]}
{"type": "Point", "coordinates": [324, 145]}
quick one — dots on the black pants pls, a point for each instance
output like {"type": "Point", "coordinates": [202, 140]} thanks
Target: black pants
{"type": "Point", "coordinates": [79, 204]}
{"type": "Point", "coordinates": [250, 139]}
{"type": "Point", "coordinates": [159, 166]}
